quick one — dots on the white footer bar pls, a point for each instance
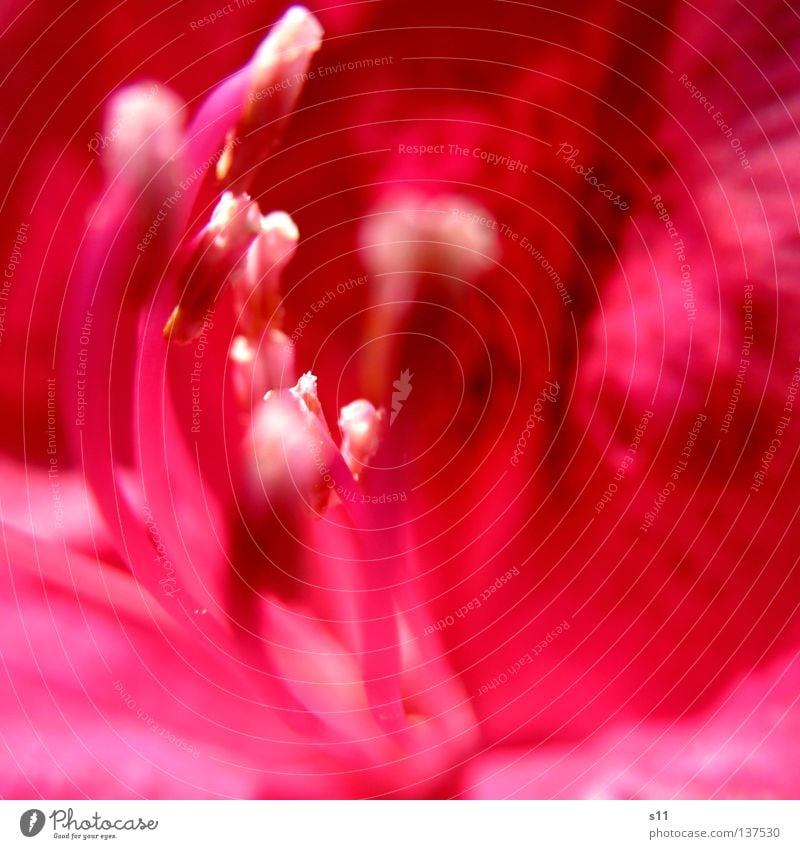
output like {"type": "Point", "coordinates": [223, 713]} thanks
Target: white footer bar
{"type": "Point", "coordinates": [402, 825]}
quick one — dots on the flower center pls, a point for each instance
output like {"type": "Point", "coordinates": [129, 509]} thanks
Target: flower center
{"type": "Point", "coordinates": [266, 470]}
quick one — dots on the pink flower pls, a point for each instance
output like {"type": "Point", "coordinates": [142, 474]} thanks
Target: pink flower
{"type": "Point", "coordinates": [388, 425]}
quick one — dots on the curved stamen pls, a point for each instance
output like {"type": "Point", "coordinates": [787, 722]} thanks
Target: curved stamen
{"type": "Point", "coordinates": [242, 119]}
{"type": "Point", "coordinates": [296, 459]}
{"type": "Point", "coordinates": [276, 77]}
{"type": "Point", "coordinates": [114, 281]}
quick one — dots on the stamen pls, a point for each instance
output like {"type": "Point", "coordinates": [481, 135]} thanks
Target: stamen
{"type": "Point", "coordinates": [445, 234]}
{"type": "Point", "coordinates": [290, 449]}
{"type": "Point", "coordinates": [256, 289]}
{"type": "Point", "coordinates": [277, 71]}
{"type": "Point", "coordinates": [306, 391]}
{"type": "Point", "coordinates": [361, 425]}
{"type": "Point", "coordinates": [295, 456]}
{"type": "Point", "coordinates": [420, 248]}
{"type": "Point", "coordinates": [139, 144]}
{"type": "Point", "coordinates": [262, 355]}
{"type": "Point", "coordinates": [213, 257]}
{"type": "Point", "coordinates": [142, 132]}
